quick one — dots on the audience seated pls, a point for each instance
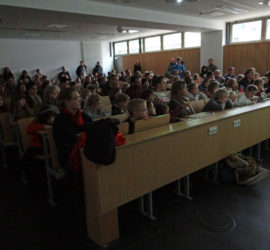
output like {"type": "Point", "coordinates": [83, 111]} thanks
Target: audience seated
{"type": "Point", "coordinates": [220, 101]}
{"type": "Point", "coordinates": [194, 94]}
{"type": "Point", "coordinates": [160, 86]}
{"type": "Point", "coordinates": [248, 97]}
{"type": "Point", "coordinates": [137, 110]}
{"type": "Point", "coordinates": [93, 107]}
{"type": "Point", "coordinates": [71, 121]}
{"type": "Point", "coordinates": [120, 105]}
{"type": "Point", "coordinates": [135, 90]}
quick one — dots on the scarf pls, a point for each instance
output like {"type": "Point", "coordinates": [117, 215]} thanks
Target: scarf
{"type": "Point", "coordinates": [76, 119]}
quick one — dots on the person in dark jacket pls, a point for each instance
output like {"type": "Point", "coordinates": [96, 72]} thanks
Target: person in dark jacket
{"type": "Point", "coordinates": [98, 69]}
{"type": "Point", "coordinates": [248, 79]}
{"type": "Point", "coordinates": [219, 102]}
{"type": "Point", "coordinates": [137, 66]}
{"type": "Point", "coordinates": [81, 69]}
{"type": "Point", "coordinates": [69, 124]}
{"type": "Point", "coordinates": [135, 90]}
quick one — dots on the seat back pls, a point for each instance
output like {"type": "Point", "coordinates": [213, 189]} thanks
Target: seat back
{"type": "Point", "coordinates": [53, 150]}
{"type": "Point", "coordinates": [154, 122]}
{"type": "Point", "coordinates": [6, 135]}
{"type": "Point", "coordinates": [106, 103]}
{"type": "Point", "coordinates": [123, 128]}
{"type": "Point", "coordinates": [25, 138]}
{"type": "Point", "coordinates": [198, 105]}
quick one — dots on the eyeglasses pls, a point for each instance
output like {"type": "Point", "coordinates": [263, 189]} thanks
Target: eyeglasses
{"type": "Point", "coordinates": [78, 98]}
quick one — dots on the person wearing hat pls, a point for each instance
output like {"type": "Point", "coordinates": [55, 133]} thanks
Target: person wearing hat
{"type": "Point", "coordinates": [179, 67]}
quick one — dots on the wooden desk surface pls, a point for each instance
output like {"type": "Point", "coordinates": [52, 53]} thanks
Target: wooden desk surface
{"type": "Point", "coordinates": [188, 124]}
{"type": "Point", "coordinates": [157, 157]}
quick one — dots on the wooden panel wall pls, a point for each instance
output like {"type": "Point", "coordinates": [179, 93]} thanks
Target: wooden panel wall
{"type": "Point", "coordinates": [158, 61]}
{"type": "Point", "coordinates": [244, 56]}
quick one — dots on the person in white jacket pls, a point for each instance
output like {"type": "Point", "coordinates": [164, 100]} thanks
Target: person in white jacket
{"type": "Point", "coordinates": [248, 97]}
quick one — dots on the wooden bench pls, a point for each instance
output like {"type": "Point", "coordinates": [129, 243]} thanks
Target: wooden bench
{"type": "Point", "coordinates": [156, 157]}
{"type": "Point", "coordinates": [154, 122]}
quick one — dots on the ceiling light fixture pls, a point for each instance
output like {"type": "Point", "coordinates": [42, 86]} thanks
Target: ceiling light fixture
{"type": "Point", "coordinates": [266, 2]}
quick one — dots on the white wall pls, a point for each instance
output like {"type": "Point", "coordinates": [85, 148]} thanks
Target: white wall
{"type": "Point", "coordinates": [49, 56]}
{"type": "Point", "coordinates": [107, 58]}
{"type": "Point", "coordinates": [212, 48]}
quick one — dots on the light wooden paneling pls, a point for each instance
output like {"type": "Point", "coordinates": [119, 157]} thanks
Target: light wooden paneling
{"type": "Point", "coordinates": [158, 61]}
{"type": "Point", "coordinates": [244, 56]}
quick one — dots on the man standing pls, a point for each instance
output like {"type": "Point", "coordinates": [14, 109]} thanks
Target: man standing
{"type": "Point", "coordinates": [211, 67]}
{"type": "Point", "coordinates": [98, 69]}
{"type": "Point", "coordinates": [179, 67]}
{"type": "Point", "coordinates": [64, 74]}
{"type": "Point", "coordinates": [81, 70]}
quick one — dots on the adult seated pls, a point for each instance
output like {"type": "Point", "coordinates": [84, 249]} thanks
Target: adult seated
{"type": "Point", "coordinates": [69, 124]}
{"type": "Point", "coordinates": [161, 95]}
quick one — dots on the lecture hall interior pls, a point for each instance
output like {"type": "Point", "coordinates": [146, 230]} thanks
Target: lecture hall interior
{"type": "Point", "coordinates": [135, 124]}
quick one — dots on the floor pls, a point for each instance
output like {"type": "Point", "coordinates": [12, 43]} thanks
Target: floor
{"type": "Point", "coordinates": [28, 222]}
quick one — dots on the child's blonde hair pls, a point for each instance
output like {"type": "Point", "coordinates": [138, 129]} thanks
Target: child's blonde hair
{"type": "Point", "coordinates": [135, 104]}
{"type": "Point", "coordinates": [221, 93]}
{"type": "Point", "coordinates": [93, 100]}
{"type": "Point", "coordinates": [232, 95]}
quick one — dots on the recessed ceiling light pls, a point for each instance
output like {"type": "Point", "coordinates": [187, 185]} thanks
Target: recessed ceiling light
{"type": "Point", "coordinates": [132, 31]}
{"type": "Point", "coordinates": [57, 26]}
{"type": "Point", "coordinates": [266, 2]}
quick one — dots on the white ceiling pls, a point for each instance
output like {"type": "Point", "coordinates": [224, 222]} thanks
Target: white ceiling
{"type": "Point", "coordinates": [194, 7]}
{"type": "Point", "coordinates": [25, 23]}
{"type": "Point", "coordinates": [29, 19]}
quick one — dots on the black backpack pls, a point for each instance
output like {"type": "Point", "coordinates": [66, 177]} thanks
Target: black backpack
{"type": "Point", "coordinates": [100, 141]}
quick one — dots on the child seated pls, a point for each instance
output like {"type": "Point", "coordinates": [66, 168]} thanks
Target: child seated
{"type": "Point", "coordinates": [212, 87]}
{"type": "Point", "coordinates": [219, 101]}
{"type": "Point", "coordinates": [194, 94]}
{"type": "Point", "coordinates": [179, 104]}
{"type": "Point", "coordinates": [20, 108]}
{"type": "Point", "coordinates": [232, 84]}
{"type": "Point", "coordinates": [233, 97]}
{"type": "Point", "coordinates": [260, 85]}
{"type": "Point", "coordinates": [148, 95]}
{"type": "Point", "coordinates": [162, 109]}
{"type": "Point", "coordinates": [120, 105]}
{"type": "Point", "coordinates": [93, 107]}
{"type": "Point", "coordinates": [35, 172]}
{"type": "Point", "coordinates": [137, 110]}
{"type": "Point", "coordinates": [248, 97]}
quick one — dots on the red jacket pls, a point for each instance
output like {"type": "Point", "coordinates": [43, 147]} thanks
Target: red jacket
{"type": "Point", "coordinates": [32, 130]}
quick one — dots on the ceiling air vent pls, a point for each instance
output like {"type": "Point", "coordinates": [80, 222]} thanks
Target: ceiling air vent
{"type": "Point", "coordinates": [212, 14]}
{"type": "Point", "coordinates": [181, 1]}
{"type": "Point", "coordinates": [230, 9]}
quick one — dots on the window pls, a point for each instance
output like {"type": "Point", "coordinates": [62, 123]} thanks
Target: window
{"type": "Point", "coordinates": [120, 48]}
{"type": "Point", "coordinates": [268, 29]}
{"type": "Point", "coordinates": [172, 41]}
{"type": "Point", "coordinates": [152, 44]}
{"type": "Point", "coordinates": [134, 46]}
{"type": "Point", "coordinates": [250, 31]}
{"type": "Point", "coordinates": [192, 39]}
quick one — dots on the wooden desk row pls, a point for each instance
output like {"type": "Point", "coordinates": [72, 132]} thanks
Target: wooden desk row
{"type": "Point", "coordinates": [157, 157]}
